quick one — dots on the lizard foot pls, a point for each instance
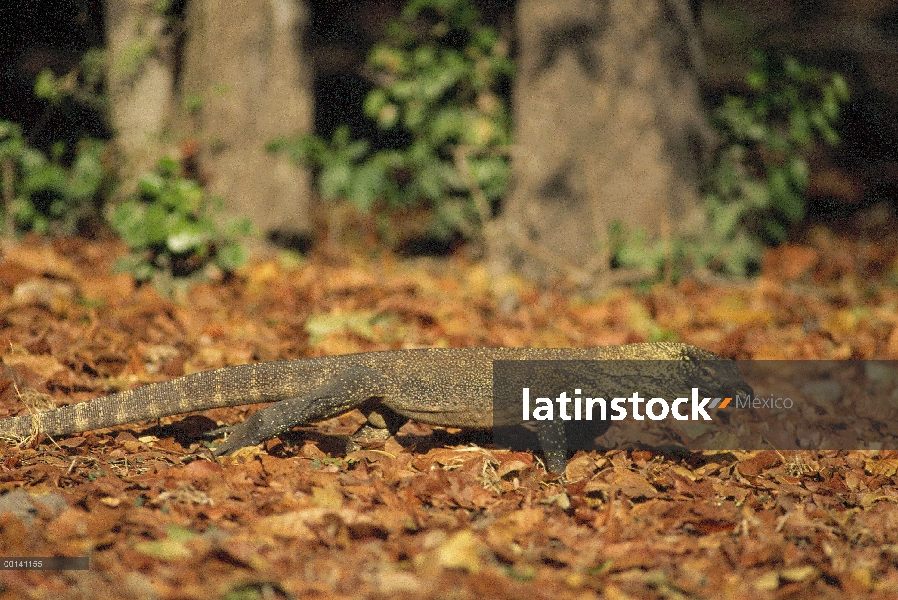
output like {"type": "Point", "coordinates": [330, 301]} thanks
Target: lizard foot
{"type": "Point", "coordinates": [367, 436]}
{"type": "Point", "coordinates": [227, 432]}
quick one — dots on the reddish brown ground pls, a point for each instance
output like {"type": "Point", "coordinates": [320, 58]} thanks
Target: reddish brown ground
{"type": "Point", "coordinates": [418, 518]}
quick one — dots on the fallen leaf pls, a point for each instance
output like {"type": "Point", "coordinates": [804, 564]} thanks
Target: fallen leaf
{"type": "Point", "coordinates": [461, 551]}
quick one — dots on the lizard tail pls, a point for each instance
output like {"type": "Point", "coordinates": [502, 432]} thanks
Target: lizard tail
{"type": "Point", "coordinates": [229, 386]}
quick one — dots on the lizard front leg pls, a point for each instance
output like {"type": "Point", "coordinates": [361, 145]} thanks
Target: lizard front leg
{"type": "Point", "coordinates": [346, 391]}
{"type": "Point", "coordinates": [553, 440]}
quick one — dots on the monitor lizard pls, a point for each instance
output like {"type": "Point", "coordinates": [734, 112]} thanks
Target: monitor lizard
{"type": "Point", "coordinates": [450, 387]}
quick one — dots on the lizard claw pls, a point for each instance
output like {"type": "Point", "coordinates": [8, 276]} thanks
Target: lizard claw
{"type": "Point", "coordinates": [219, 431]}
{"type": "Point", "coordinates": [224, 447]}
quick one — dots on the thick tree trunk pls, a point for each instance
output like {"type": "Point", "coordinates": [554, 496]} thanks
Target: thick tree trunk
{"type": "Point", "coordinates": [245, 64]}
{"type": "Point", "coordinates": [244, 80]}
{"type": "Point", "coordinates": [610, 127]}
{"type": "Point", "coordinates": [140, 81]}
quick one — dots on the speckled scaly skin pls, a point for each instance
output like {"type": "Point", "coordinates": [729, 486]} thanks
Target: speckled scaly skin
{"type": "Point", "coordinates": [450, 387]}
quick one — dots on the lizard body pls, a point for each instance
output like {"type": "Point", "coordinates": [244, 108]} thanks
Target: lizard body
{"type": "Point", "coordinates": [451, 387]}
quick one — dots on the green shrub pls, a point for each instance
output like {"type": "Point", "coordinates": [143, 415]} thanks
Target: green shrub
{"type": "Point", "coordinates": [59, 193]}
{"type": "Point", "coordinates": [82, 85]}
{"type": "Point", "coordinates": [46, 195]}
{"type": "Point", "coordinates": [440, 75]}
{"type": "Point", "coordinates": [170, 227]}
{"type": "Point", "coordinates": [756, 189]}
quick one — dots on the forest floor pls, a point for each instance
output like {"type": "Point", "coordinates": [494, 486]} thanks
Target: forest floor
{"type": "Point", "coordinates": [428, 515]}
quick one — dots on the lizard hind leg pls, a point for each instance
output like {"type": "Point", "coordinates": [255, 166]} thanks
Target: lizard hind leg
{"type": "Point", "coordinates": [347, 390]}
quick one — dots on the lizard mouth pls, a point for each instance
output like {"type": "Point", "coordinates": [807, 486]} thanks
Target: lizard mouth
{"type": "Point", "coordinates": [745, 392]}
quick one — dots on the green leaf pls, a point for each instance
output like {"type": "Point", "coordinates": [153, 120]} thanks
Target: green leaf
{"type": "Point", "coordinates": [354, 151]}
{"type": "Point", "coordinates": [368, 185]}
{"type": "Point", "coordinates": [8, 129]}
{"type": "Point", "coordinates": [388, 117]}
{"type": "Point", "coordinates": [23, 210]}
{"type": "Point", "coordinates": [334, 180]}
{"type": "Point", "coordinates": [485, 38]}
{"type": "Point", "coordinates": [778, 182]}
{"type": "Point", "coordinates": [161, 7]}
{"type": "Point", "coordinates": [132, 56]}
{"type": "Point", "coordinates": [143, 271]}
{"type": "Point", "coordinates": [340, 138]}
{"type": "Point", "coordinates": [188, 196]}
{"type": "Point", "coordinates": [187, 238]}
{"type": "Point", "coordinates": [431, 180]}
{"type": "Point", "coordinates": [756, 193]}
{"type": "Point", "coordinates": [155, 224]}
{"type": "Point", "coordinates": [800, 126]}
{"type": "Point", "coordinates": [87, 174]}
{"type": "Point", "coordinates": [151, 185]}
{"type": "Point", "coordinates": [424, 57]}
{"type": "Point", "coordinates": [46, 87]}
{"type": "Point", "coordinates": [799, 173]}
{"type": "Point", "coordinates": [447, 125]}
{"type": "Point", "coordinates": [792, 206]}
{"type": "Point", "coordinates": [232, 256]}
{"type": "Point", "coordinates": [32, 160]}
{"type": "Point", "coordinates": [726, 219]}
{"type": "Point", "coordinates": [193, 103]}
{"type": "Point", "coordinates": [166, 550]}
{"type": "Point", "coordinates": [756, 79]}
{"type": "Point", "coordinates": [375, 102]}
{"type": "Point", "coordinates": [840, 85]}
{"type": "Point", "coordinates": [58, 208]}
{"type": "Point", "coordinates": [135, 264]}
{"type": "Point", "coordinates": [793, 68]}
{"type": "Point", "coordinates": [57, 149]}
{"type": "Point", "coordinates": [388, 59]}
{"type": "Point", "coordinates": [125, 220]}
{"type": "Point", "coordinates": [168, 166]}
{"type": "Point", "coordinates": [830, 136]}
{"type": "Point", "coordinates": [775, 230]}
{"type": "Point", "coordinates": [404, 91]}
{"type": "Point", "coordinates": [830, 105]}
{"type": "Point", "coordinates": [309, 149]}
{"type": "Point", "coordinates": [46, 178]}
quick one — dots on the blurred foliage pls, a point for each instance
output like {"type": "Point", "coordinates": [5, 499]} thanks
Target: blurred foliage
{"type": "Point", "coordinates": [756, 188]}
{"type": "Point", "coordinates": [440, 74]}
{"type": "Point", "coordinates": [169, 223]}
{"type": "Point", "coordinates": [48, 195]}
{"type": "Point", "coordinates": [171, 228]}
{"type": "Point", "coordinates": [156, 24]}
{"type": "Point", "coordinates": [82, 84]}
{"type": "Point", "coordinates": [57, 191]}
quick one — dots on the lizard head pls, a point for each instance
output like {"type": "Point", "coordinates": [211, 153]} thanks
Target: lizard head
{"type": "Point", "coordinates": [713, 375]}
{"type": "Point", "coordinates": [676, 368]}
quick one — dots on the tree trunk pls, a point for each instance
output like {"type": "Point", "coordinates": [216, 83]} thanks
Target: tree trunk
{"type": "Point", "coordinates": [610, 127]}
{"type": "Point", "coordinates": [140, 81]}
{"type": "Point", "coordinates": [245, 71]}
